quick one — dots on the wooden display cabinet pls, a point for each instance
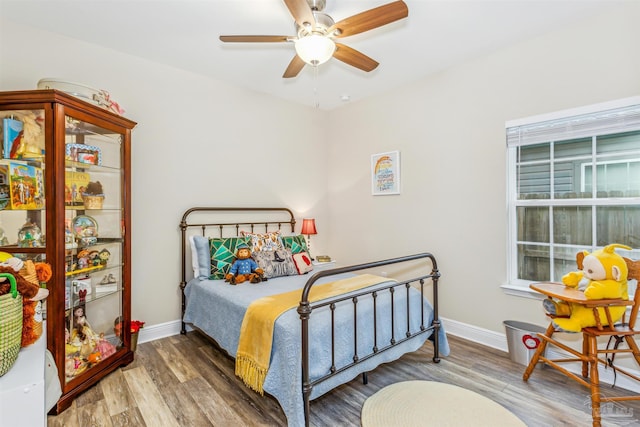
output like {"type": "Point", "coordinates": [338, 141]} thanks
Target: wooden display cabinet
{"type": "Point", "coordinates": [65, 199]}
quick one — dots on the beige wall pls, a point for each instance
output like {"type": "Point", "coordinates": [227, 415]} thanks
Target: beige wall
{"type": "Point", "coordinates": [200, 141]}
{"type": "Point", "coordinates": [450, 131]}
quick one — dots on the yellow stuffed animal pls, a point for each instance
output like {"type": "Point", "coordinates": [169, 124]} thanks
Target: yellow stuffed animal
{"type": "Point", "coordinates": [606, 272]}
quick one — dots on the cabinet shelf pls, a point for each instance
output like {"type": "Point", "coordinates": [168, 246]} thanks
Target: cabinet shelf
{"type": "Point", "coordinates": [95, 296]}
{"type": "Point", "coordinates": [80, 312]}
{"type": "Point", "coordinates": [84, 167]}
{"type": "Point", "coordinates": [12, 249]}
{"type": "Point", "coordinates": [84, 270]}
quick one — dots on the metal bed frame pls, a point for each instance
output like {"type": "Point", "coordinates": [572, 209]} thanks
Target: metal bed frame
{"type": "Point", "coordinates": [306, 308]}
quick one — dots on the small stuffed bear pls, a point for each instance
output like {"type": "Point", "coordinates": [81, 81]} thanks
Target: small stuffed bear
{"type": "Point", "coordinates": [244, 268]}
{"type": "Point", "coordinates": [606, 272]}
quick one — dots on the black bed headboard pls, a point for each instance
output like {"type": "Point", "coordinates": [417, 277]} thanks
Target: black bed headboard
{"type": "Point", "coordinates": [225, 222]}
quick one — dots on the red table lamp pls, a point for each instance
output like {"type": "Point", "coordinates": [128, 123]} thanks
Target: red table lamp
{"type": "Point", "coordinates": [309, 228]}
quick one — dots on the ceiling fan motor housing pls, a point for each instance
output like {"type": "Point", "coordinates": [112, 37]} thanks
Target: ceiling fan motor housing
{"type": "Point", "coordinates": [323, 22]}
{"type": "Point", "coordinates": [315, 32]}
{"type": "Point", "coordinates": [317, 5]}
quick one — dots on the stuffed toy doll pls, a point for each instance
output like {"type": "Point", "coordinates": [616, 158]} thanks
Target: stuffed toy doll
{"type": "Point", "coordinates": [606, 275]}
{"type": "Point", "coordinates": [244, 268]}
{"type": "Point", "coordinates": [29, 287]}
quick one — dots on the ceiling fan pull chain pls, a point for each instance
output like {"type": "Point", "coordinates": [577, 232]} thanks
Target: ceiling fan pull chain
{"type": "Point", "coordinates": [315, 87]}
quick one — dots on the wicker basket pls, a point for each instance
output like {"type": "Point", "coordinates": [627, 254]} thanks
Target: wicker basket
{"type": "Point", "coordinates": [10, 326]}
{"type": "Point", "coordinates": [92, 202]}
{"type": "Point", "coordinates": [29, 273]}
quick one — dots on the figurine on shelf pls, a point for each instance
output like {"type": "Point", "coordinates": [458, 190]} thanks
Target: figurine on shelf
{"type": "Point", "coordinates": [70, 367]}
{"type": "Point", "coordinates": [83, 259]}
{"type": "Point", "coordinates": [85, 229]}
{"type": "Point", "coordinates": [84, 347]}
{"type": "Point", "coordinates": [82, 336]}
{"type": "Point", "coordinates": [69, 239]}
{"type": "Point", "coordinates": [3, 238]}
{"type": "Point", "coordinates": [31, 145]}
{"type": "Point", "coordinates": [105, 348]}
{"type": "Point", "coordinates": [94, 259]}
{"type": "Point", "coordinates": [103, 98]}
{"type": "Point", "coordinates": [70, 349]}
{"type": "Point", "coordinates": [93, 196]}
{"type": "Point", "coordinates": [80, 321]}
{"type": "Point", "coordinates": [104, 256]}
{"type": "Point", "coordinates": [94, 358]}
{"type": "Point", "coordinates": [30, 236]}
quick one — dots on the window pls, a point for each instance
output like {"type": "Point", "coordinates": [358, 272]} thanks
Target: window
{"type": "Point", "coordinates": [574, 184]}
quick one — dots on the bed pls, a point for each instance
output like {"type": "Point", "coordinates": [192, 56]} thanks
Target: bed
{"type": "Point", "coordinates": [321, 342]}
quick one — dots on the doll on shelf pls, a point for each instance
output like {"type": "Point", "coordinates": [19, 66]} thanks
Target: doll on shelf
{"type": "Point", "coordinates": [86, 341]}
{"type": "Point", "coordinates": [79, 319]}
{"type": "Point", "coordinates": [81, 329]}
{"type": "Point", "coordinates": [105, 348]}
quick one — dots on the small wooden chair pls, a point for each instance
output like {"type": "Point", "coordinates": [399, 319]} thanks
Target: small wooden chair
{"type": "Point", "coordinates": [623, 331]}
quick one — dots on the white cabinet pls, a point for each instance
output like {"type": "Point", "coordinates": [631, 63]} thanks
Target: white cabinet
{"type": "Point", "coordinates": [22, 389]}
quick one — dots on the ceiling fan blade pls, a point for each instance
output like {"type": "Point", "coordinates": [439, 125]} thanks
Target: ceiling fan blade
{"type": "Point", "coordinates": [370, 19]}
{"type": "Point", "coordinates": [254, 39]}
{"type": "Point", "coordinates": [295, 66]}
{"type": "Point", "coordinates": [354, 58]}
{"type": "Point", "coordinates": [301, 12]}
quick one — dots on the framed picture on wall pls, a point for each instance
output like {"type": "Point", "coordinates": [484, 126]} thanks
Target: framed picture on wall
{"type": "Point", "coordinates": [385, 173]}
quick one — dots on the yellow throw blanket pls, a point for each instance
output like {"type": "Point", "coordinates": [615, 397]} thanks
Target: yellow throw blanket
{"type": "Point", "coordinates": [256, 333]}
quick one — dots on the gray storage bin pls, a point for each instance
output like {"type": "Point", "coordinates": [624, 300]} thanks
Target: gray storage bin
{"type": "Point", "coordinates": [522, 340]}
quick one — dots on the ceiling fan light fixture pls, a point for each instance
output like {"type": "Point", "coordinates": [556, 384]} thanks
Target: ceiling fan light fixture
{"type": "Point", "coordinates": [315, 49]}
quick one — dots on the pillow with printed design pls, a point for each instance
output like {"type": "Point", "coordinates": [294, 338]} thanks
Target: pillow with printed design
{"type": "Point", "coordinates": [263, 241]}
{"type": "Point", "coordinates": [223, 254]}
{"type": "Point", "coordinates": [275, 263]}
{"type": "Point", "coordinates": [295, 243]}
{"type": "Point", "coordinates": [303, 263]}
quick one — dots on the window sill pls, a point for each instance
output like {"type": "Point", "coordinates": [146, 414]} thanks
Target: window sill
{"type": "Point", "coordinates": [521, 291]}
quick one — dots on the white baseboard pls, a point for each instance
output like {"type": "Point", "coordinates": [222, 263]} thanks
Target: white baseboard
{"type": "Point", "coordinates": [162, 330]}
{"type": "Point", "coordinates": [473, 333]}
{"type": "Point", "coordinates": [499, 341]}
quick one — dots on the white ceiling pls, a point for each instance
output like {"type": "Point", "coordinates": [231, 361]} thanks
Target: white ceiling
{"type": "Point", "coordinates": [184, 33]}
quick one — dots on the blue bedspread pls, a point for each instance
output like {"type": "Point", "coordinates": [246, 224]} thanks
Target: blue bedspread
{"type": "Point", "coordinates": [217, 308]}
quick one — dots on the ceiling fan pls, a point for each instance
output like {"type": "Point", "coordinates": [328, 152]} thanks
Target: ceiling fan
{"type": "Point", "coordinates": [316, 31]}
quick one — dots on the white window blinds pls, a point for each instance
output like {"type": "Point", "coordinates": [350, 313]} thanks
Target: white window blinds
{"type": "Point", "coordinates": [615, 120]}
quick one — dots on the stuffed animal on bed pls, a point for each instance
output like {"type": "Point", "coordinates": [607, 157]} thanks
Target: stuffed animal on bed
{"type": "Point", "coordinates": [244, 268]}
{"type": "Point", "coordinates": [606, 278]}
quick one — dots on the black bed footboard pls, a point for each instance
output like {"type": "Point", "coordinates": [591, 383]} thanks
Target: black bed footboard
{"type": "Point", "coordinates": [306, 309]}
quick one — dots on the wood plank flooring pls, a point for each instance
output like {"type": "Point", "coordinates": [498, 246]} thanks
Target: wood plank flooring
{"type": "Point", "coordinates": [184, 380]}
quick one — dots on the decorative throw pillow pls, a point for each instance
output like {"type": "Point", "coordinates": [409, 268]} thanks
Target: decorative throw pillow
{"type": "Point", "coordinates": [297, 243]}
{"type": "Point", "coordinates": [275, 263]}
{"type": "Point", "coordinates": [263, 242]}
{"type": "Point", "coordinates": [303, 263]}
{"type": "Point", "coordinates": [200, 256]}
{"type": "Point", "coordinates": [223, 254]}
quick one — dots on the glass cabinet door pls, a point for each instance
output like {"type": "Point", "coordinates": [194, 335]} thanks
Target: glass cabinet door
{"type": "Point", "coordinates": [22, 196]}
{"type": "Point", "coordinates": [94, 245]}
{"type": "Point", "coordinates": [65, 170]}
